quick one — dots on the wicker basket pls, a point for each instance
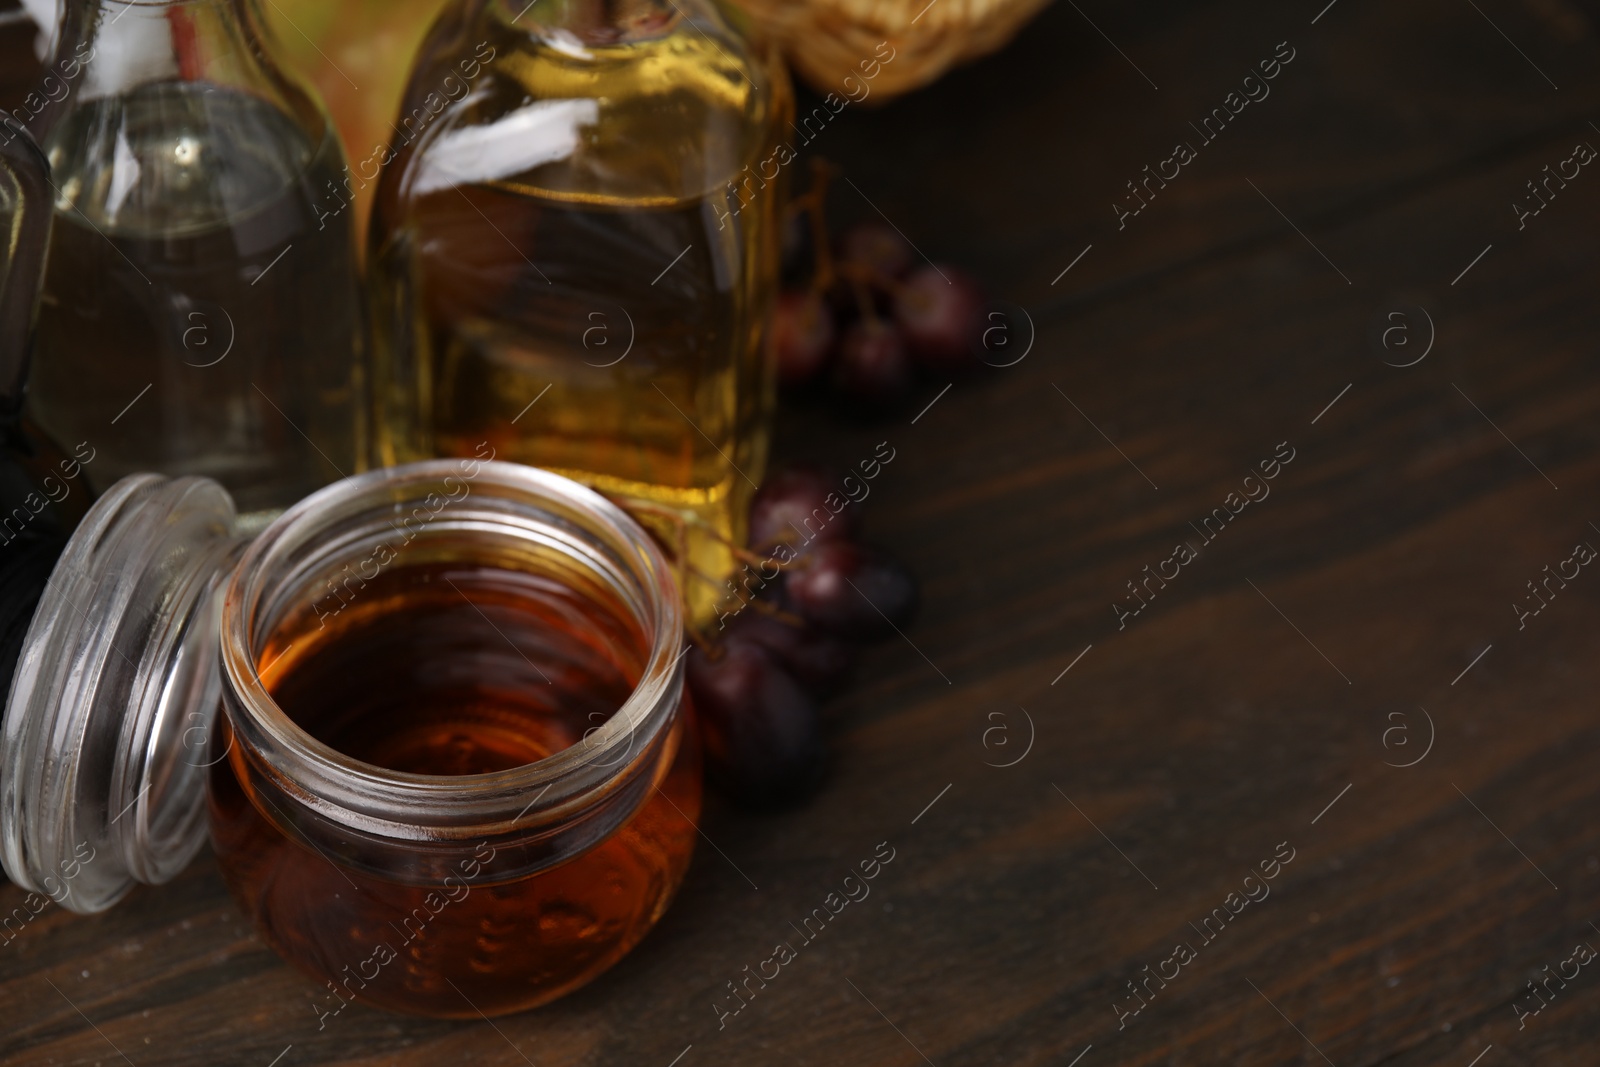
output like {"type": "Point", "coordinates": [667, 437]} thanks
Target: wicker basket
{"type": "Point", "coordinates": [826, 40]}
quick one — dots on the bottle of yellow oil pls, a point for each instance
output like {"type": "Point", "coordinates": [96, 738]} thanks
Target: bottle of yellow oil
{"type": "Point", "coordinates": [573, 253]}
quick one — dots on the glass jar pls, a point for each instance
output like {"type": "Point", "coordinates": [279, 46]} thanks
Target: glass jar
{"type": "Point", "coordinates": [454, 774]}
{"type": "Point", "coordinates": [573, 252]}
{"type": "Point", "coordinates": [201, 310]}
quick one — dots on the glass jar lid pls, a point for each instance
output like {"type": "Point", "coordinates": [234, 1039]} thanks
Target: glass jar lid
{"type": "Point", "coordinates": [103, 749]}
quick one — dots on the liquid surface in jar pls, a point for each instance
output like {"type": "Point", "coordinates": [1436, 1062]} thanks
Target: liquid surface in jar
{"type": "Point", "coordinates": [451, 670]}
{"type": "Point", "coordinates": [454, 670]}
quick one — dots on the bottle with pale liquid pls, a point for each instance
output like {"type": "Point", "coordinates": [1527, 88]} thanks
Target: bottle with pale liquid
{"type": "Point", "coordinates": [201, 311]}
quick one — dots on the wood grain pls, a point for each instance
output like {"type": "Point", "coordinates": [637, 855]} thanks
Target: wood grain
{"type": "Point", "coordinates": [1250, 693]}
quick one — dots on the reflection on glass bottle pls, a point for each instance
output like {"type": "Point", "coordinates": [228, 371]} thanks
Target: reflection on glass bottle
{"type": "Point", "coordinates": [201, 310]}
{"type": "Point", "coordinates": [574, 259]}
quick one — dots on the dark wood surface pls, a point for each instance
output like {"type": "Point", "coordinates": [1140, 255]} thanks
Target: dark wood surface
{"type": "Point", "coordinates": [1284, 670]}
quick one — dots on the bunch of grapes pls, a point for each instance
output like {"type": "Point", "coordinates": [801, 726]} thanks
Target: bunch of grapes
{"type": "Point", "coordinates": [868, 318]}
{"type": "Point", "coordinates": [758, 681]}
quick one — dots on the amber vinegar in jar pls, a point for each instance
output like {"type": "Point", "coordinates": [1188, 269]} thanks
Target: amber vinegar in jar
{"type": "Point", "coordinates": [512, 785]}
{"type": "Point", "coordinates": [454, 670]}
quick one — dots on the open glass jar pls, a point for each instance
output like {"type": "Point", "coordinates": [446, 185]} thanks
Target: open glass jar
{"type": "Point", "coordinates": [454, 773]}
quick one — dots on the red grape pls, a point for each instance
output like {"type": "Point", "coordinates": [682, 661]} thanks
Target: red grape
{"type": "Point", "coordinates": [852, 592]}
{"type": "Point", "coordinates": [879, 247]}
{"type": "Point", "coordinates": [818, 662]}
{"type": "Point", "coordinates": [762, 734]}
{"type": "Point", "coordinates": [792, 506]}
{"type": "Point", "coordinates": [941, 310]}
{"type": "Point", "coordinates": [802, 335]}
{"type": "Point", "coordinates": [873, 365]}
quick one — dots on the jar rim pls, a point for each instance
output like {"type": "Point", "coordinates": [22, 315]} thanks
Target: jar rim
{"type": "Point", "coordinates": [394, 803]}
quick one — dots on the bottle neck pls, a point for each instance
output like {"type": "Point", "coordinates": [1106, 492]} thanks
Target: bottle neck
{"type": "Point", "coordinates": [114, 46]}
{"type": "Point", "coordinates": [150, 87]}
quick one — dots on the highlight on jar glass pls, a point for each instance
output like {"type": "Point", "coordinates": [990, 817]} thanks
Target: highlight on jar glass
{"type": "Point", "coordinates": [455, 772]}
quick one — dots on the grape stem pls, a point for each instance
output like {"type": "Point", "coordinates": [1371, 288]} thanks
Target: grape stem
{"type": "Point", "coordinates": [682, 523]}
{"type": "Point", "coordinates": [813, 203]}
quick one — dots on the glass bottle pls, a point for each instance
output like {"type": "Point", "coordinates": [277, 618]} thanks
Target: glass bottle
{"type": "Point", "coordinates": [201, 312]}
{"type": "Point", "coordinates": [573, 252]}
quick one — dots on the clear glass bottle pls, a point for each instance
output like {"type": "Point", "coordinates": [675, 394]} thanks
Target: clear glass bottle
{"type": "Point", "coordinates": [454, 773]}
{"type": "Point", "coordinates": [201, 313]}
{"type": "Point", "coordinates": [573, 253]}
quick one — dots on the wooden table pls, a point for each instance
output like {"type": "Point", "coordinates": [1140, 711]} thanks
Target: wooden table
{"type": "Point", "coordinates": [1268, 696]}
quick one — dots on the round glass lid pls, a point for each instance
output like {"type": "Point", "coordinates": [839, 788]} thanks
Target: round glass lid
{"type": "Point", "coordinates": [105, 738]}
